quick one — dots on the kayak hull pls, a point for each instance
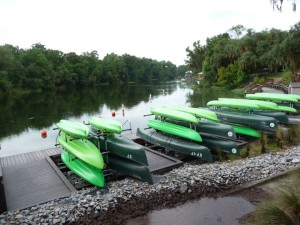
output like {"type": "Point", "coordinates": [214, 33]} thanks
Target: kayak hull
{"type": "Point", "coordinates": [175, 129]}
{"type": "Point", "coordinates": [87, 172]}
{"type": "Point", "coordinates": [174, 114]}
{"type": "Point", "coordinates": [128, 167]}
{"type": "Point", "coordinates": [258, 122]}
{"type": "Point", "coordinates": [106, 125]}
{"type": "Point", "coordinates": [122, 146]}
{"type": "Point", "coordinates": [82, 149]}
{"type": "Point", "coordinates": [178, 145]}
{"type": "Point", "coordinates": [74, 129]}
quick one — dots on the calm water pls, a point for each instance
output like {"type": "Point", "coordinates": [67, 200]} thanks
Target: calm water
{"type": "Point", "coordinates": [23, 118]}
{"type": "Point", "coordinates": [206, 211]}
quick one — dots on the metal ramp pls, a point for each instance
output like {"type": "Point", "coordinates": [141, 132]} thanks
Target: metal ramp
{"type": "Point", "coordinates": [30, 184]}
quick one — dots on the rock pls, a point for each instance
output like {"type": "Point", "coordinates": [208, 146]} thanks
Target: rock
{"type": "Point", "coordinates": [183, 188]}
{"type": "Point", "coordinates": [19, 216]}
{"type": "Point", "coordinates": [56, 221]}
{"type": "Point", "coordinates": [296, 160]}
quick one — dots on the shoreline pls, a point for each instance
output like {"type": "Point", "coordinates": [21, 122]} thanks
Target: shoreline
{"type": "Point", "coordinates": [130, 198]}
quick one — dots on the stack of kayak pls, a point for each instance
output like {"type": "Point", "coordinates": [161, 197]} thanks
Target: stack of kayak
{"type": "Point", "coordinates": [179, 129]}
{"type": "Point", "coordinates": [281, 99]}
{"type": "Point", "coordinates": [120, 153]}
{"type": "Point", "coordinates": [86, 150]}
{"type": "Point", "coordinates": [260, 115]}
{"type": "Point", "coordinates": [79, 154]}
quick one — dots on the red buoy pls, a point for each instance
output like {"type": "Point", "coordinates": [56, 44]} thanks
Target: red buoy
{"type": "Point", "coordinates": [44, 134]}
{"type": "Point", "coordinates": [113, 114]}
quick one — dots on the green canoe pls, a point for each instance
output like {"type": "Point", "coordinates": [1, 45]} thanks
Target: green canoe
{"type": "Point", "coordinates": [82, 149]}
{"type": "Point", "coordinates": [209, 127]}
{"type": "Point", "coordinates": [197, 112]}
{"type": "Point", "coordinates": [174, 114]}
{"type": "Point", "coordinates": [74, 129]}
{"type": "Point", "coordinates": [258, 122]}
{"type": "Point", "coordinates": [176, 144]}
{"type": "Point", "coordinates": [87, 172]}
{"type": "Point", "coordinates": [176, 130]}
{"type": "Point", "coordinates": [122, 146]}
{"type": "Point", "coordinates": [106, 125]}
{"type": "Point", "coordinates": [274, 97]}
{"type": "Point", "coordinates": [128, 167]}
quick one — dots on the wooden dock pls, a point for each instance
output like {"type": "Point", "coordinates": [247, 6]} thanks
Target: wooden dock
{"type": "Point", "coordinates": [33, 178]}
{"type": "Point", "coordinates": [30, 179]}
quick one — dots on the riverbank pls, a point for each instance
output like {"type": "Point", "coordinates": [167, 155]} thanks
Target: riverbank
{"type": "Point", "coordinates": [129, 198]}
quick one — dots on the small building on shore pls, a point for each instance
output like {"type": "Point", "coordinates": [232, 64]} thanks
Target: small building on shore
{"type": "Point", "coordinates": [294, 88]}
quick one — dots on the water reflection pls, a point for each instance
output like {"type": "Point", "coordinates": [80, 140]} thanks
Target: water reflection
{"type": "Point", "coordinates": [206, 211]}
{"type": "Point", "coordinates": [22, 118]}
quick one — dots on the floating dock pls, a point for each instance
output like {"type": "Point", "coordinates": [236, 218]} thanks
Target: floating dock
{"type": "Point", "coordinates": [33, 178]}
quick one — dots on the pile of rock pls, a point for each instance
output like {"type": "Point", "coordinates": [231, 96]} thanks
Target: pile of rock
{"type": "Point", "coordinates": [129, 197]}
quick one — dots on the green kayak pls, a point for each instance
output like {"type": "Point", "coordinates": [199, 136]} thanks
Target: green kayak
{"type": "Point", "coordinates": [106, 125]}
{"type": "Point", "coordinates": [74, 129]}
{"type": "Point", "coordinates": [174, 114]}
{"type": "Point", "coordinates": [260, 104]}
{"type": "Point", "coordinates": [122, 146]}
{"type": "Point", "coordinates": [176, 130]}
{"type": "Point", "coordinates": [128, 167]}
{"type": "Point", "coordinates": [82, 149]}
{"type": "Point", "coordinates": [248, 131]}
{"type": "Point", "coordinates": [87, 172]}
{"type": "Point", "coordinates": [197, 112]}
{"type": "Point", "coordinates": [176, 144]}
{"type": "Point", "coordinates": [274, 97]}
{"type": "Point", "coordinates": [233, 104]}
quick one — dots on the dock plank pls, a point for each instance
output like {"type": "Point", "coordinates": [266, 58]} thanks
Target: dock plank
{"type": "Point", "coordinates": [31, 184]}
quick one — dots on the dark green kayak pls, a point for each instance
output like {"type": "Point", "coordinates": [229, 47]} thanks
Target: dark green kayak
{"type": "Point", "coordinates": [209, 127]}
{"type": "Point", "coordinates": [174, 129]}
{"type": "Point", "coordinates": [258, 122]}
{"type": "Point", "coordinates": [176, 144]}
{"type": "Point", "coordinates": [229, 146]}
{"type": "Point", "coordinates": [281, 117]}
{"type": "Point", "coordinates": [82, 149]}
{"type": "Point", "coordinates": [87, 172]}
{"type": "Point", "coordinates": [122, 146]}
{"type": "Point", "coordinates": [129, 167]}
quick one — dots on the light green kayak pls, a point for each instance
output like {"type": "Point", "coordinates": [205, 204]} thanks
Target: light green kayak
{"type": "Point", "coordinates": [248, 131]}
{"type": "Point", "coordinates": [174, 114]}
{"type": "Point", "coordinates": [264, 105]}
{"type": "Point", "coordinates": [87, 172]}
{"type": "Point", "coordinates": [176, 130]}
{"type": "Point", "coordinates": [74, 129]}
{"type": "Point", "coordinates": [274, 97]}
{"type": "Point", "coordinates": [106, 125]}
{"type": "Point", "coordinates": [233, 104]}
{"type": "Point", "coordinates": [260, 104]}
{"type": "Point", "coordinates": [197, 112]}
{"type": "Point", "coordinates": [82, 149]}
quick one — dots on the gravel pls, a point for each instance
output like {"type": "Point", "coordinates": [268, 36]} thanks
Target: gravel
{"type": "Point", "coordinates": [128, 198]}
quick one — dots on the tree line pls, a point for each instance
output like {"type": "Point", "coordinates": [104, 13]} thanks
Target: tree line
{"type": "Point", "coordinates": [228, 59]}
{"type": "Point", "coordinates": [39, 68]}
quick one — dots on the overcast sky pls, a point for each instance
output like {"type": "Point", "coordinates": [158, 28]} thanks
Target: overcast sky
{"type": "Point", "coordinates": [157, 29]}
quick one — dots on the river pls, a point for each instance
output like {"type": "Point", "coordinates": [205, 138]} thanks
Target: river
{"type": "Point", "coordinates": [23, 118]}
